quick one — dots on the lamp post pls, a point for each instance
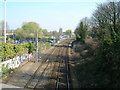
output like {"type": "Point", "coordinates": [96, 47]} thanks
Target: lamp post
{"type": "Point", "coordinates": [4, 21]}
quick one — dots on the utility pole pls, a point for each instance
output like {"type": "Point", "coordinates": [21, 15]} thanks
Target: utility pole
{"type": "Point", "coordinates": [4, 21]}
{"type": "Point", "coordinates": [37, 46]}
{"type": "Point", "coordinates": [38, 57]}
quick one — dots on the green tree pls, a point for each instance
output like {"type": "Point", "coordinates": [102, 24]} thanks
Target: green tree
{"type": "Point", "coordinates": [69, 32]}
{"type": "Point", "coordinates": [107, 28]}
{"type": "Point", "coordinates": [107, 18]}
{"type": "Point", "coordinates": [28, 30]}
{"type": "Point", "coordinates": [81, 31]}
{"type": "Point", "coordinates": [44, 32]}
{"type": "Point", "coordinates": [31, 27]}
{"type": "Point", "coordinates": [20, 33]}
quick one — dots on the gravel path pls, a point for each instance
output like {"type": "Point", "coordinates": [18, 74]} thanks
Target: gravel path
{"type": "Point", "coordinates": [22, 75]}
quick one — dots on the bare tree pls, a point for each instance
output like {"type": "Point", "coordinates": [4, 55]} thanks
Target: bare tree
{"type": "Point", "coordinates": [2, 27]}
{"type": "Point", "coordinates": [106, 18]}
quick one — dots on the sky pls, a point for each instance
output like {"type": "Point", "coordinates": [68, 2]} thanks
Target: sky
{"type": "Point", "coordinates": [49, 14]}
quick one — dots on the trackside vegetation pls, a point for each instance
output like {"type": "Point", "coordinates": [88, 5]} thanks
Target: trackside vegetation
{"type": "Point", "coordinates": [104, 68]}
{"type": "Point", "coordinates": [9, 51]}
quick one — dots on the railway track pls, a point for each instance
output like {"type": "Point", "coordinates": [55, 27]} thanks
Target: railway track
{"type": "Point", "coordinates": [63, 75]}
{"type": "Point", "coordinates": [53, 75]}
{"type": "Point", "coordinates": [52, 71]}
{"type": "Point", "coordinates": [42, 56]}
{"type": "Point", "coordinates": [22, 76]}
{"type": "Point", "coordinates": [36, 76]}
{"type": "Point", "coordinates": [60, 77]}
{"type": "Point", "coordinates": [46, 74]}
{"type": "Point", "coordinates": [41, 80]}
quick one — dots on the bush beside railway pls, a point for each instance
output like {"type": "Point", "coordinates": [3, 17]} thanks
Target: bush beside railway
{"type": "Point", "coordinates": [100, 69]}
{"type": "Point", "coordinates": [5, 71]}
{"type": "Point", "coordinates": [9, 51]}
{"type": "Point", "coordinates": [43, 45]}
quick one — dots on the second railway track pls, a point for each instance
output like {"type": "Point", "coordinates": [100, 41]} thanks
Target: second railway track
{"type": "Point", "coordinates": [33, 81]}
{"type": "Point", "coordinates": [51, 72]}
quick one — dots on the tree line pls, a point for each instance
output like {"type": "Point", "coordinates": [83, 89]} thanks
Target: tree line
{"type": "Point", "coordinates": [104, 25]}
{"type": "Point", "coordinates": [29, 30]}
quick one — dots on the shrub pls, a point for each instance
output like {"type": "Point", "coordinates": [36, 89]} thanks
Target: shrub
{"type": "Point", "coordinates": [29, 47]}
{"type": "Point", "coordinates": [47, 45]}
{"type": "Point", "coordinates": [11, 50]}
{"type": "Point", "coordinates": [5, 71]}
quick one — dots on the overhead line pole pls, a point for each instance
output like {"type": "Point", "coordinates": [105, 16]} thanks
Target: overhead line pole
{"type": "Point", "coordinates": [37, 47]}
{"type": "Point", "coordinates": [37, 50]}
{"type": "Point", "coordinates": [4, 21]}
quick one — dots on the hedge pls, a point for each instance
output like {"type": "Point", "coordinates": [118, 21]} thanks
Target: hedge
{"type": "Point", "coordinates": [9, 51]}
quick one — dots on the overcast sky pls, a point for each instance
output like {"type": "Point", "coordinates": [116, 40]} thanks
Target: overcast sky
{"type": "Point", "coordinates": [50, 15]}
